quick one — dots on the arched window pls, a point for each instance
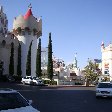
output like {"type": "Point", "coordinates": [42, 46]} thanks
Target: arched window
{"type": "Point", "coordinates": [1, 30]}
{"type": "Point", "coordinates": [3, 43]}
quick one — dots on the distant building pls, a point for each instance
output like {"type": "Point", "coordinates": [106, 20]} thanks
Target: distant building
{"type": "Point", "coordinates": [44, 56]}
{"type": "Point", "coordinates": [73, 67]}
{"type": "Point", "coordinates": [106, 60]}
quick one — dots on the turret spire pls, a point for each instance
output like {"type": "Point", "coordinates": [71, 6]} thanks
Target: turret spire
{"type": "Point", "coordinates": [29, 12]}
{"type": "Point", "coordinates": [4, 22]}
{"type": "Point", "coordinates": [75, 61]}
{"type": "Point", "coordinates": [1, 9]}
{"type": "Point", "coordinates": [102, 44]}
{"type": "Point", "coordinates": [30, 6]}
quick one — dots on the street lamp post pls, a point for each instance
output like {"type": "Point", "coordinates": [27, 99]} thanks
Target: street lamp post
{"type": "Point", "coordinates": [87, 81]}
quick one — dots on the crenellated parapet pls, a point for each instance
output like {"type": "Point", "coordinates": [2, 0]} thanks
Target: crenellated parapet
{"type": "Point", "coordinates": [27, 24]}
{"type": "Point", "coordinates": [107, 48]}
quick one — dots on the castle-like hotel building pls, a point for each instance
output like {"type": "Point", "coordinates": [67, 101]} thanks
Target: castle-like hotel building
{"type": "Point", "coordinates": [26, 29]}
{"type": "Point", "coordinates": [106, 60]}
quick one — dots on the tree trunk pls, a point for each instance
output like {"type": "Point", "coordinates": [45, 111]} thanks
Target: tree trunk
{"type": "Point", "coordinates": [87, 82]}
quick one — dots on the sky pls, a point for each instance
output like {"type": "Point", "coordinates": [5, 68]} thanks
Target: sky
{"type": "Point", "coordinates": [76, 26]}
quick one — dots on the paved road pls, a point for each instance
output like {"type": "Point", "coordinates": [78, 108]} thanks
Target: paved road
{"type": "Point", "coordinates": [63, 99]}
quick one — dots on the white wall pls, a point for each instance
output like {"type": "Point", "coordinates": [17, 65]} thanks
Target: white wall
{"type": "Point", "coordinates": [33, 56]}
{"type": "Point", "coordinates": [107, 59]}
{"type": "Point", "coordinates": [25, 43]}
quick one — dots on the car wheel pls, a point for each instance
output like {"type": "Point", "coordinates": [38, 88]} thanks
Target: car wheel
{"type": "Point", "coordinates": [34, 83]}
{"type": "Point", "coordinates": [23, 83]}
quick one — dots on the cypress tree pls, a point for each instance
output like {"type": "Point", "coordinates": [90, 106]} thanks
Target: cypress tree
{"type": "Point", "coordinates": [38, 60]}
{"type": "Point", "coordinates": [19, 72]}
{"type": "Point", "coordinates": [28, 63]}
{"type": "Point", "coordinates": [11, 65]}
{"type": "Point", "coordinates": [50, 62]}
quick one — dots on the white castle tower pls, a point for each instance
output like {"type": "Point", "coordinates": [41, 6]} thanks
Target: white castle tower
{"type": "Point", "coordinates": [106, 60]}
{"type": "Point", "coordinates": [27, 29]}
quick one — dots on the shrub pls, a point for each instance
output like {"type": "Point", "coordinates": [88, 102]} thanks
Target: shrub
{"type": "Point", "coordinates": [17, 78]}
{"type": "Point", "coordinates": [3, 78]}
{"type": "Point", "coordinates": [50, 82]}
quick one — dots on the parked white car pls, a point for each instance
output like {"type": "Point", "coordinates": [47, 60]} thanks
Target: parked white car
{"type": "Point", "coordinates": [32, 80]}
{"type": "Point", "coordinates": [104, 89]}
{"type": "Point", "coordinates": [13, 101]}
{"type": "Point", "coordinates": [37, 81]}
{"type": "Point", "coordinates": [27, 80]}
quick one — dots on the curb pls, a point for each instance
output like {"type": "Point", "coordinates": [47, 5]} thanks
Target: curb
{"type": "Point", "coordinates": [70, 86]}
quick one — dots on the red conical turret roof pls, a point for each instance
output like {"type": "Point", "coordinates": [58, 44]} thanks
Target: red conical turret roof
{"type": "Point", "coordinates": [28, 14]}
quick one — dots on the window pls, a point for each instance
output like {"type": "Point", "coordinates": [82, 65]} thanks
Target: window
{"type": "Point", "coordinates": [23, 32]}
{"type": "Point", "coordinates": [106, 72]}
{"type": "Point", "coordinates": [3, 43]}
{"type": "Point", "coordinates": [104, 85]}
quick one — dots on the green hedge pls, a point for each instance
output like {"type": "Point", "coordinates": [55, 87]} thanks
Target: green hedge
{"type": "Point", "coordinates": [78, 83]}
{"type": "Point", "coordinates": [17, 78]}
{"type": "Point", "coordinates": [50, 82]}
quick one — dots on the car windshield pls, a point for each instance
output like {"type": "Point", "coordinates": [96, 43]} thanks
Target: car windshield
{"type": "Point", "coordinates": [104, 85]}
{"type": "Point", "coordinates": [11, 101]}
{"type": "Point", "coordinates": [28, 78]}
{"type": "Point", "coordinates": [35, 78]}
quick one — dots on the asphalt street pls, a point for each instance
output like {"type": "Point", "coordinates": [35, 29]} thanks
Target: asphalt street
{"type": "Point", "coordinates": [62, 99]}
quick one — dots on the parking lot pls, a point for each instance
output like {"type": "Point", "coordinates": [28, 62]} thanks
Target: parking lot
{"type": "Point", "coordinates": [62, 99]}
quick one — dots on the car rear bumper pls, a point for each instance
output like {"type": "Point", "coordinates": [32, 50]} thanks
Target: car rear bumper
{"type": "Point", "coordinates": [31, 82]}
{"type": "Point", "coordinates": [103, 95]}
{"type": "Point", "coordinates": [36, 83]}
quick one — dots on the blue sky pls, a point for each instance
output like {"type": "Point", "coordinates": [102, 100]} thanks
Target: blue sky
{"type": "Point", "coordinates": [75, 25]}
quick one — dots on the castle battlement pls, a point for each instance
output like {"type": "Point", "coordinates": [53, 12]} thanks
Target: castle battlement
{"type": "Point", "coordinates": [27, 24]}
